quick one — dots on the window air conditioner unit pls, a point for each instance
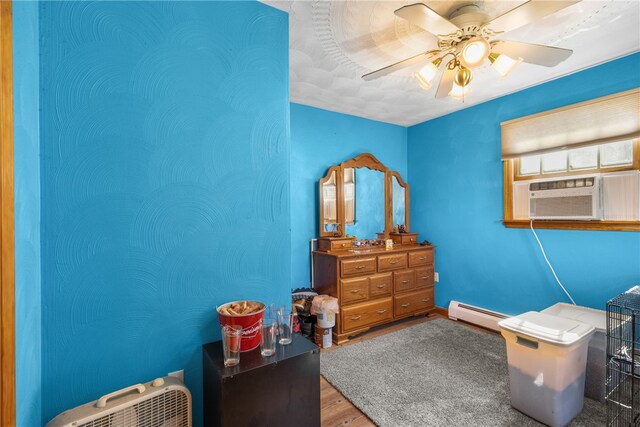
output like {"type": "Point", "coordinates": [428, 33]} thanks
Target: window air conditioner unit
{"type": "Point", "coordinates": [567, 198]}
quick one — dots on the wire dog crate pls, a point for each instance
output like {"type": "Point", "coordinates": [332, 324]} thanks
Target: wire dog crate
{"type": "Point", "coordinates": [623, 359]}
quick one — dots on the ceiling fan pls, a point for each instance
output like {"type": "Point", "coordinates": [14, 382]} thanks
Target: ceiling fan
{"type": "Point", "coordinates": [468, 38]}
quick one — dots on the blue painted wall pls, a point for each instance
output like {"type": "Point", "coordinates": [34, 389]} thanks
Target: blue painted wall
{"type": "Point", "coordinates": [165, 185]}
{"type": "Point", "coordinates": [456, 181]}
{"type": "Point", "coordinates": [319, 140]}
{"type": "Point", "coordinates": [27, 214]}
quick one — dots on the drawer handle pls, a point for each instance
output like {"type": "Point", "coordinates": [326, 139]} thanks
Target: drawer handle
{"type": "Point", "coordinates": [355, 317]}
{"type": "Point", "coordinates": [406, 305]}
{"type": "Point", "coordinates": [344, 245]}
{"type": "Point", "coordinates": [355, 291]}
{"type": "Point", "coordinates": [412, 239]}
{"type": "Point", "coordinates": [360, 267]}
{"type": "Point", "coordinates": [405, 281]}
{"type": "Point", "coordinates": [381, 286]}
{"type": "Point", "coordinates": [382, 311]}
{"type": "Point", "coordinates": [393, 261]}
{"type": "Point", "coordinates": [426, 300]}
{"type": "Point", "coordinates": [422, 258]}
{"type": "Point", "coordinates": [424, 277]}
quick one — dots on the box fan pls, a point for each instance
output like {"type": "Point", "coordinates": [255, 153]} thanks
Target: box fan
{"type": "Point", "coordinates": [163, 402]}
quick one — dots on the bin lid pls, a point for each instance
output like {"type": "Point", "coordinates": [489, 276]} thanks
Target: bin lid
{"type": "Point", "coordinates": [591, 316]}
{"type": "Point", "coordinates": [548, 328]}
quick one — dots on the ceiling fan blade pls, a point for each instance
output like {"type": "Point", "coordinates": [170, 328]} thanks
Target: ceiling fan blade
{"type": "Point", "coordinates": [527, 13]}
{"type": "Point", "coordinates": [420, 15]}
{"type": "Point", "coordinates": [446, 82]}
{"type": "Point", "coordinates": [548, 56]}
{"type": "Point", "coordinates": [399, 65]}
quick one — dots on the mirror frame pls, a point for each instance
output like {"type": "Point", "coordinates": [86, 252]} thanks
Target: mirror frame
{"type": "Point", "coordinates": [364, 160]}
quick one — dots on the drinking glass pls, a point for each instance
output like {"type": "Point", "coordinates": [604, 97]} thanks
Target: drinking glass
{"type": "Point", "coordinates": [275, 310]}
{"type": "Point", "coordinates": [269, 332]}
{"type": "Point", "coordinates": [231, 337]}
{"type": "Point", "coordinates": [286, 327]}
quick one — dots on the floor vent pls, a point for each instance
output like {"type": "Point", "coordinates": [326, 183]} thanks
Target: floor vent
{"type": "Point", "coordinates": [475, 315]}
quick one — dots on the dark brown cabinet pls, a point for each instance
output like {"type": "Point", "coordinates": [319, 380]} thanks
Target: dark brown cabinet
{"type": "Point", "coordinates": [281, 390]}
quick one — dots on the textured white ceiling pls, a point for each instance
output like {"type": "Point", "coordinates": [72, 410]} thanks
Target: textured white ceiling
{"type": "Point", "coordinates": [333, 43]}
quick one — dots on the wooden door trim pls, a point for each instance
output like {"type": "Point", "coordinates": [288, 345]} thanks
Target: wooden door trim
{"type": "Point", "coordinates": [7, 249]}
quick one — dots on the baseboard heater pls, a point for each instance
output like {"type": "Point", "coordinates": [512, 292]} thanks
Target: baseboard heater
{"type": "Point", "coordinates": [475, 315]}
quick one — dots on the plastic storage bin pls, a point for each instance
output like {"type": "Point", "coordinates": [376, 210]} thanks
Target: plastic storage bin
{"type": "Point", "coordinates": [595, 379]}
{"type": "Point", "coordinates": [547, 357]}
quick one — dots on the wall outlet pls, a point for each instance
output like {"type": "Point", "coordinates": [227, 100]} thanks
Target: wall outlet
{"type": "Point", "coordinates": [436, 277]}
{"type": "Point", "coordinates": [177, 374]}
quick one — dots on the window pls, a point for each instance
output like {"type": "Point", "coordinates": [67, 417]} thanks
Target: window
{"type": "Point", "coordinates": [584, 158]}
{"type": "Point", "coordinates": [554, 162]}
{"type": "Point", "coordinates": [613, 160]}
{"type": "Point", "coordinates": [598, 138]}
{"type": "Point", "coordinates": [598, 157]}
{"type": "Point", "coordinates": [616, 154]}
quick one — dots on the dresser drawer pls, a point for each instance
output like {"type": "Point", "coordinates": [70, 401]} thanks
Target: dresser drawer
{"type": "Point", "coordinates": [333, 243]}
{"type": "Point", "coordinates": [354, 290]}
{"type": "Point", "coordinates": [351, 267]}
{"type": "Point", "coordinates": [405, 238]}
{"type": "Point", "coordinates": [341, 244]}
{"type": "Point", "coordinates": [424, 277]}
{"type": "Point", "coordinates": [413, 302]}
{"type": "Point", "coordinates": [392, 262]}
{"type": "Point", "coordinates": [404, 280]}
{"type": "Point", "coordinates": [420, 258]}
{"type": "Point", "coordinates": [367, 313]}
{"type": "Point", "coordinates": [380, 285]}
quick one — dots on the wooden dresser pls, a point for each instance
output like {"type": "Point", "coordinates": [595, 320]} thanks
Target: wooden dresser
{"type": "Point", "coordinates": [374, 285]}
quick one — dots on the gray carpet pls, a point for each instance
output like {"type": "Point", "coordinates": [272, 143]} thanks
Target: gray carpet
{"type": "Point", "coordinates": [437, 373]}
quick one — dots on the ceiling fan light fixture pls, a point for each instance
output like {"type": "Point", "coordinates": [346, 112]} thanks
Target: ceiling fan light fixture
{"type": "Point", "coordinates": [463, 77]}
{"type": "Point", "coordinates": [474, 52]}
{"type": "Point", "coordinates": [424, 84]}
{"type": "Point", "coordinates": [426, 75]}
{"type": "Point", "coordinates": [503, 64]}
{"type": "Point", "coordinates": [461, 80]}
{"type": "Point", "coordinates": [459, 92]}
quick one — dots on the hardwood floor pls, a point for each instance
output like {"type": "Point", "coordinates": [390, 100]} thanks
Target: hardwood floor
{"type": "Point", "coordinates": [335, 409]}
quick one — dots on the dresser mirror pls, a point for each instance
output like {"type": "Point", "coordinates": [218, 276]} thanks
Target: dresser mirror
{"type": "Point", "coordinates": [361, 197]}
{"type": "Point", "coordinates": [399, 201]}
{"type": "Point", "coordinates": [364, 202]}
{"type": "Point", "coordinates": [329, 203]}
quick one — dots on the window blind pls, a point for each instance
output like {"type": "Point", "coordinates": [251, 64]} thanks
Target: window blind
{"type": "Point", "coordinates": [598, 121]}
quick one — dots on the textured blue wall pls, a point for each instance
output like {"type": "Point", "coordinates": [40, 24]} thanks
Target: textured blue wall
{"type": "Point", "coordinates": [27, 214]}
{"type": "Point", "coordinates": [165, 185]}
{"type": "Point", "coordinates": [319, 140]}
{"type": "Point", "coordinates": [455, 174]}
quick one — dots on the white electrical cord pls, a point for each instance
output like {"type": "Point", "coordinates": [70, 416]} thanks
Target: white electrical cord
{"type": "Point", "coordinates": [548, 263]}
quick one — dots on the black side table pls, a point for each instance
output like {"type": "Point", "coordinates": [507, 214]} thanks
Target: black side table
{"type": "Point", "coordinates": [281, 390]}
